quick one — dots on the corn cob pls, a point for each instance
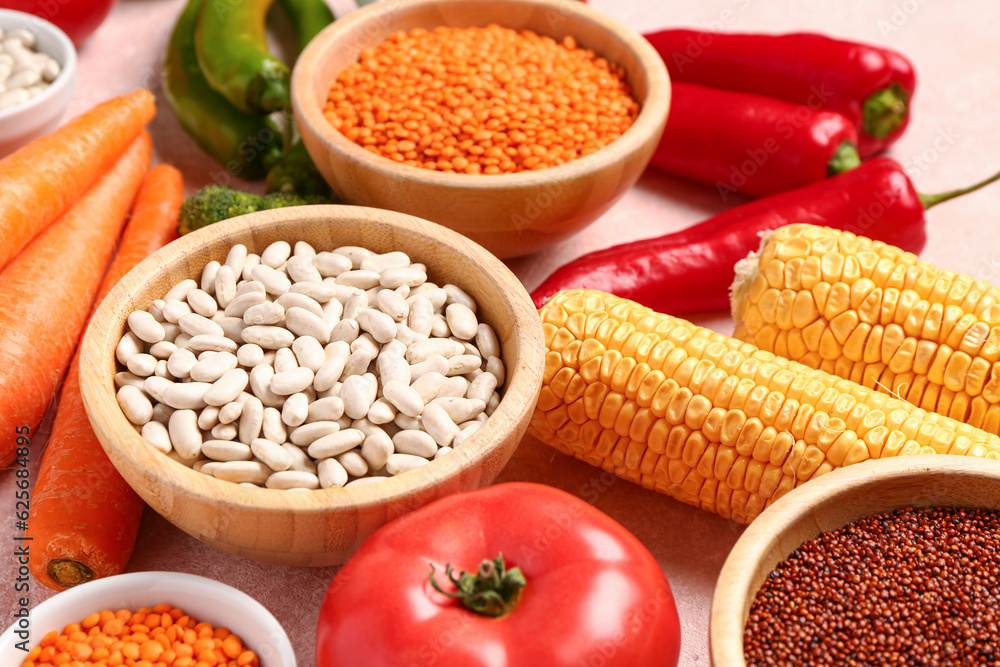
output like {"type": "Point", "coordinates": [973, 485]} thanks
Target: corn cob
{"type": "Point", "coordinates": [708, 419]}
{"type": "Point", "coordinates": [874, 314]}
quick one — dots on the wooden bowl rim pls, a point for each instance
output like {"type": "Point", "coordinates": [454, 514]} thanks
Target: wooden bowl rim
{"type": "Point", "coordinates": [309, 111]}
{"type": "Point", "coordinates": [727, 622]}
{"type": "Point", "coordinates": [102, 408]}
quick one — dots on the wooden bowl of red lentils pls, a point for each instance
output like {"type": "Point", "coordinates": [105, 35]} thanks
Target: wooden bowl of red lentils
{"type": "Point", "coordinates": [892, 561]}
{"type": "Point", "coordinates": [514, 122]}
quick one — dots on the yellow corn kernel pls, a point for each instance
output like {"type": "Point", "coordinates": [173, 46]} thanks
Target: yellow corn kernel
{"type": "Point", "coordinates": [882, 318]}
{"type": "Point", "coordinates": [717, 423]}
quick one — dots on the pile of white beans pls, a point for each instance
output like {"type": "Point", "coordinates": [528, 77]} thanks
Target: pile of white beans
{"type": "Point", "coordinates": [24, 72]}
{"type": "Point", "coordinates": [298, 369]}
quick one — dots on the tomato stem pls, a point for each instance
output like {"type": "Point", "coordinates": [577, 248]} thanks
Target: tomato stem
{"type": "Point", "coordinates": [493, 591]}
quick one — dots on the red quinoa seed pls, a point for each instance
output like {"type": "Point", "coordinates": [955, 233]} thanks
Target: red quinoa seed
{"type": "Point", "coordinates": [912, 587]}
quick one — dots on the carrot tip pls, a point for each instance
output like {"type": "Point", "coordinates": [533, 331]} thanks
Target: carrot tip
{"type": "Point", "coordinates": [69, 573]}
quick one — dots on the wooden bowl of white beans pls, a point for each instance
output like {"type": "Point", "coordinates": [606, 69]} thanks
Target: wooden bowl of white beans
{"type": "Point", "coordinates": [281, 384]}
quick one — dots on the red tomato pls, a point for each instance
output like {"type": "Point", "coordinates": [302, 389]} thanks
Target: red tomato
{"type": "Point", "coordinates": [594, 597]}
{"type": "Point", "coordinates": [77, 18]}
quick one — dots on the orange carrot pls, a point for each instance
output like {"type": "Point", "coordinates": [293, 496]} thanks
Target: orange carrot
{"type": "Point", "coordinates": [43, 179]}
{"type": "Point", "coordinates": [84, 517]}
{"type": "Point", "coordinates": [47, 291]}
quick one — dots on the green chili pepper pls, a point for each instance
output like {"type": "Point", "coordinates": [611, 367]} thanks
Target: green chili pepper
{"type": "Point", "coordinates": [231, 43]}
{"type": "Point", "coordinates": [309, 18]}
{"type": "Point", "coordinates": [246, 145]}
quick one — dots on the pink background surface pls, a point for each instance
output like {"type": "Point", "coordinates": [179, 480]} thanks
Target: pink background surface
{"type": "Point", "coordinates": [952, 140]}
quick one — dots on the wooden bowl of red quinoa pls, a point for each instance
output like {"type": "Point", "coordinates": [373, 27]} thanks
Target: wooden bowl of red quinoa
{"type": "Point", "coordinates": [842, 497]}
{"type": "Point", "coordinates": [510, 214]}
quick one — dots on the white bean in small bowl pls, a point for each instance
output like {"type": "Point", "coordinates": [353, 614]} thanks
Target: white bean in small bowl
{"type": "Point", "coordinates": [308, 368]}
{"type": "Point", "coordinates": [25, 71]}
{"type": "Point", "coordinates": [37, 78]}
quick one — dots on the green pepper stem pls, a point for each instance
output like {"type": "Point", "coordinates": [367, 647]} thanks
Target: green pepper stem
{"type": "Point", "coordinates": [934, 200]}
{"type": "Point", "coordinates": [885, 110]}
{"type": "Point", "coordinates": [845, 159]}
{"type": "Point", "coordinates": [493, 591]}
{"type": "Point", "coordinates": [269, 90]}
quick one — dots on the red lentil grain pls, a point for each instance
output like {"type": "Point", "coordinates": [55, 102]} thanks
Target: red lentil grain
{"type": "Point", "coordinates": [911, 587]}
{"type": "Point", "coordinates": [484, 91]}
{"type": "Point", "coordinates": [158, 637]}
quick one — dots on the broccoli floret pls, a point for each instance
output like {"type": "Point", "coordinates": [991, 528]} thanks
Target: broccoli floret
{"type": "Point", "coordinates": [283, 199]}
{"type": "Point", "coordinates": [215, 203]}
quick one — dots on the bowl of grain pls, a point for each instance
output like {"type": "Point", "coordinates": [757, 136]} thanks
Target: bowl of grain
{"type": "Point", "coordinates": [123, 608]}
{"type": "Point", "coordinates": [281, 384]}
{"type": "Point", "coordinates": [514, 122]}
{"type": "Point", "coordinates": [888, 561]}
{"type": "Point", "coordinates": [37, 78]}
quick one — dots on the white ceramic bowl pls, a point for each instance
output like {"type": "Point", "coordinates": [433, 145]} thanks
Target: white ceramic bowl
{"type": "Point", "coordinates": [40, 115]}
{"type": "Point", "coordinates": [205, 599]}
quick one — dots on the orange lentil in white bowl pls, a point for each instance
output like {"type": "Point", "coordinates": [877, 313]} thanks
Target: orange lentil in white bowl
{"type": "Point", "coordinates": [177, 617]}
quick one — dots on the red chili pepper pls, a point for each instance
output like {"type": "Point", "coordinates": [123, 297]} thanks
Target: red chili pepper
{"type": "Point", "coordinates": [692, 269]}
{"type": "Point", "coordinates": [740, 142]}
{"type": "Point", "coordinates": [871, 85]}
